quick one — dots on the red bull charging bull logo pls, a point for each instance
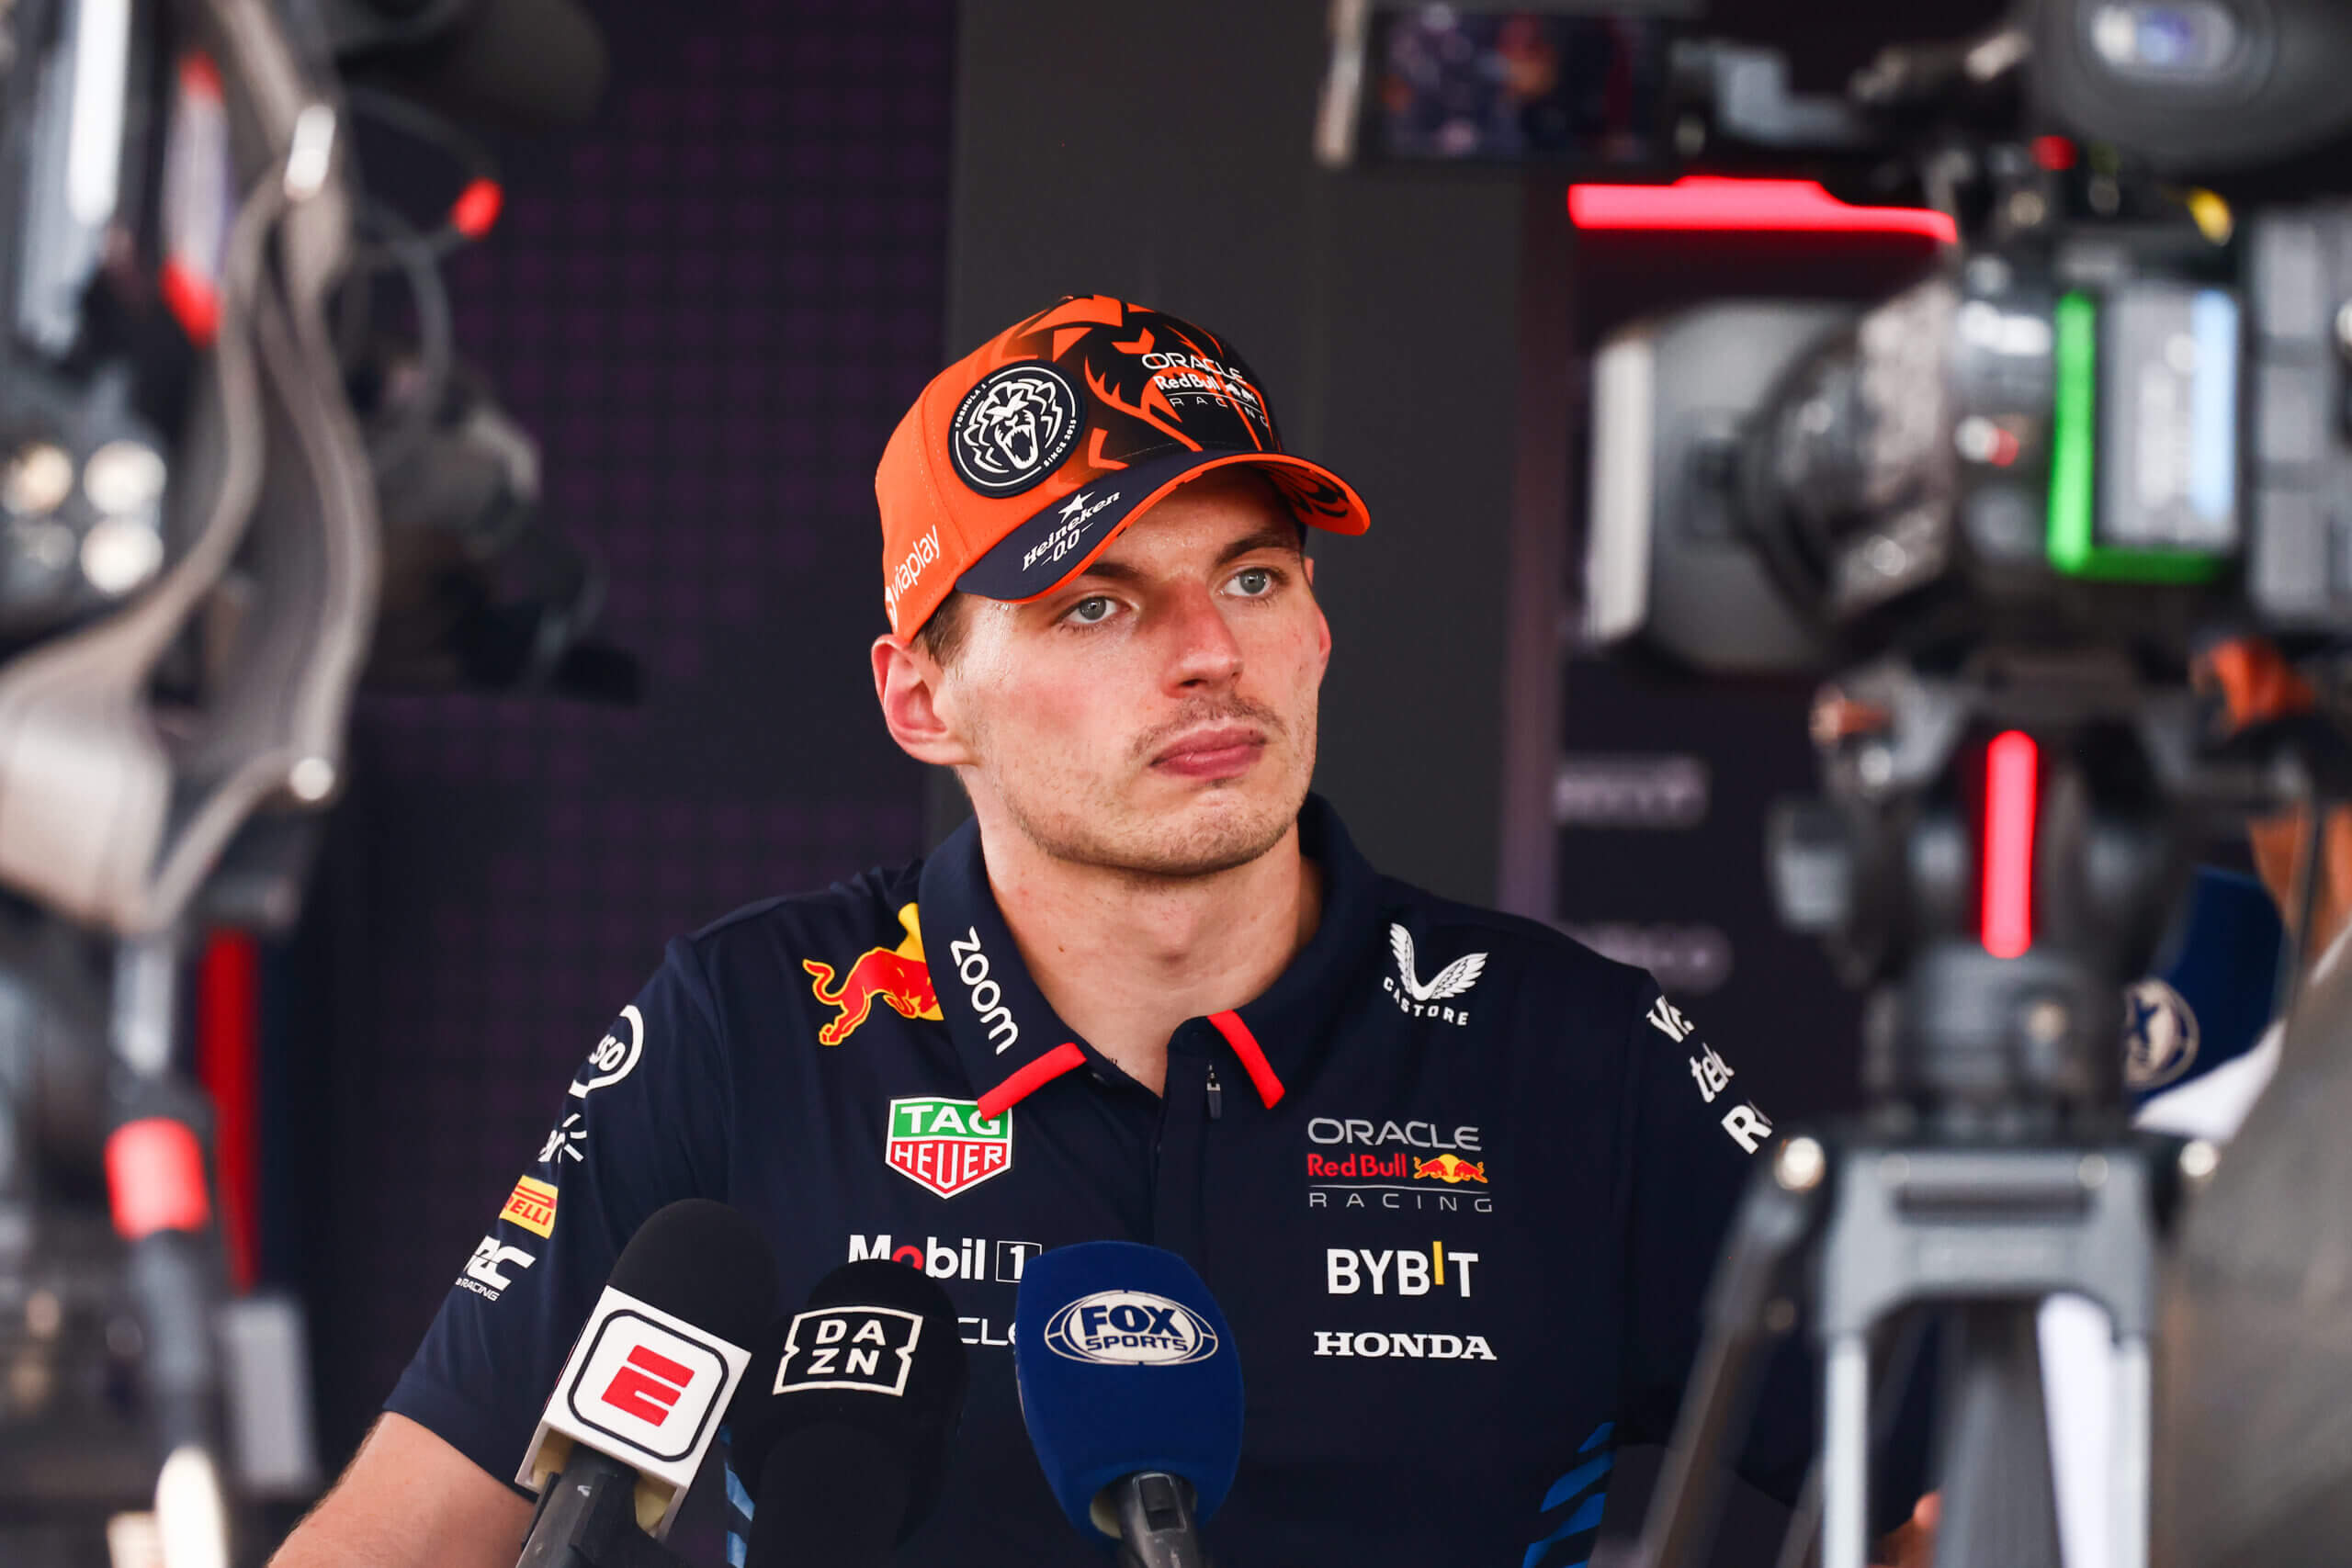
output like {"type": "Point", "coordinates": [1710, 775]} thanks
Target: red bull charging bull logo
{"type": "Point", "coordinates": [1451, 1169]}
{"type": "Point", "coordinates": [898, 977]}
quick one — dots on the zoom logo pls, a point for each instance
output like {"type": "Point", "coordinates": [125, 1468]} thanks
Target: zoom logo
{"type": "Point", "coordinates": [987, 997]}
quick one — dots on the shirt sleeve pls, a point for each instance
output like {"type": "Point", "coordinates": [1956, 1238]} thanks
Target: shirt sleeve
{"type": "Point", "coordinates": [1695, 1131]}
{"type": "Point", "coordinates": [641, 1124]}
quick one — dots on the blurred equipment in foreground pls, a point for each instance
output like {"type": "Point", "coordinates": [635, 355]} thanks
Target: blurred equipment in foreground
{"type": "Point", "coordinates": [218, 447]}
{"type": "Point", "coordinates": [2255, 1464]}
{"type": "Point", "coordinates": [2003, 511]}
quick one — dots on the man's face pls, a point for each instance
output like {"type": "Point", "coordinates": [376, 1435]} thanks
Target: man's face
{"type": "Point", "coordinates": [1157, 713]}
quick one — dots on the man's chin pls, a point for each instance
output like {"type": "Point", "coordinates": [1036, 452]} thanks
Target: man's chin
{"type": "Point", "coordinates": [1213, 826]}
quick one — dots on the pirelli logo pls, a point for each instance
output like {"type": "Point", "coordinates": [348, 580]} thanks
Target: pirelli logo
{"type": "Point", "coordinates": [531, 1205]}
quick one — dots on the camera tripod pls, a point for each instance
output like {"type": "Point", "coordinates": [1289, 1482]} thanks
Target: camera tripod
{"type": "Point", "coordinates": [1995, 854]}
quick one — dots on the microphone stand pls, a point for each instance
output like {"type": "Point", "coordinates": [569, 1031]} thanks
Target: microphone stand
{"type": "Point", "coordinates": [1155, 1517]}
{"type": "Point", "coordinates": [587, 1518]}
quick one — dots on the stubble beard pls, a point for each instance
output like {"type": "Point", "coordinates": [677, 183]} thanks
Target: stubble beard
{"type": "Point", "coordinates": [1104, 832]}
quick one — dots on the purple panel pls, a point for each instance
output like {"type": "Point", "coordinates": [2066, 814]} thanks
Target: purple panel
{"type": "Point", "coordinates": [710, 307]}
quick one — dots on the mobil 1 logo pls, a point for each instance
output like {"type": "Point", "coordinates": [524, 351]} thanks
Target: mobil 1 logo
{"type": "Point", "coordinates": [867, 1348]}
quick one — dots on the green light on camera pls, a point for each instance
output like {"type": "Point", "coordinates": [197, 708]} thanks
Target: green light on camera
{"type": "Point", "coordinates": [2073, 542]}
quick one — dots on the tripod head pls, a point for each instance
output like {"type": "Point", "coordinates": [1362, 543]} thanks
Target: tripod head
{"type": "Point", "coordinates": [1995, 856]}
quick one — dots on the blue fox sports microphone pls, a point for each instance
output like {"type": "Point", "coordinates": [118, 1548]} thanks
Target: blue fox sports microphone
{"type": "Point", "coordinates": [640, 1400]}
{"type": "Point", "coordinates": [841, 1428]}
{"type": "Point", "coordinates": [1131, 1388]}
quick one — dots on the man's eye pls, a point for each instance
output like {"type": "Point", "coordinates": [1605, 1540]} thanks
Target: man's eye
{"type": "Point", "coordinates": [1092, 611]}
{"type": "Point", "coordinates": [1255, 581]}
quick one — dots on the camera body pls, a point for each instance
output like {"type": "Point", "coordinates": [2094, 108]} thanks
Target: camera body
{"type": "Point", "coordinates": [2114, 414]}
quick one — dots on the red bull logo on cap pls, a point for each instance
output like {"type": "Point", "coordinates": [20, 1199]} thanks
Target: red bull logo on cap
{"type": "Point", "coordinates": [898, 977]}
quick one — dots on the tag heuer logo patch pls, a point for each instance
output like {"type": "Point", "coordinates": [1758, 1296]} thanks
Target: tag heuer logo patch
{"type": "Point", "coordinates": [1014, 429]}
{"type": "Point", "coordinates": [947, 1145]}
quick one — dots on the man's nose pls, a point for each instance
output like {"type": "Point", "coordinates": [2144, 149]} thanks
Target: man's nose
{"type": "Point", "coordinates": [1202, 649]}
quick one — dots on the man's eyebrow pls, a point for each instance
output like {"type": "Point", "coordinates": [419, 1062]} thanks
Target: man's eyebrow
{"type": "Point", "coordinates": [1277, 537]}
{"type": "Point", "coordinates": [1282, 536]}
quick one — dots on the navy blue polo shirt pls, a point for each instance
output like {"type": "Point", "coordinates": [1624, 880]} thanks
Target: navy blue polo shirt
{"type": "Point", "coordinates": [1457, 1181]}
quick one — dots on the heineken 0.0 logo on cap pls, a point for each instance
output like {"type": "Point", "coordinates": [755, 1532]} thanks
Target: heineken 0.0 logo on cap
{"type": "Point", "coordinates": [947, 1145]}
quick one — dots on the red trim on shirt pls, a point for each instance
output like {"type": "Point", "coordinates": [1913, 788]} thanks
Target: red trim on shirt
{"type": "Point", "coordinates": [1062, 1058]}
{"type": "Point", "coordinates": [1253, 1059]}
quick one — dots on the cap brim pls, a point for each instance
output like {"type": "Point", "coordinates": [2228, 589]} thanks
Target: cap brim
{"type": "Point", "coordinates": [1057, 543]}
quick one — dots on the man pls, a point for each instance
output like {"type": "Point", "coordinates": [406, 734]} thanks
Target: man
{"type": "Point", "coordinates": [1457, 1181]}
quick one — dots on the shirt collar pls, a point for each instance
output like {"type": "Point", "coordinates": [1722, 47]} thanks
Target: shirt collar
{"type": "Point", "coordinates": [1010, 1039]}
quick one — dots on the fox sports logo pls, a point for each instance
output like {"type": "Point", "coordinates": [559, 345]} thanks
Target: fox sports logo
{"type": "Point", "coordinates": [1130, 1328]}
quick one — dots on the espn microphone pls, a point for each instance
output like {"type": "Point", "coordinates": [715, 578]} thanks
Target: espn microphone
{"type": "Point", "coordinates": [642, 1397]}
{"type": "Point", "coordinates": [842, 1427]}
{"type": "Point", "coordinates": [1131, 1389]}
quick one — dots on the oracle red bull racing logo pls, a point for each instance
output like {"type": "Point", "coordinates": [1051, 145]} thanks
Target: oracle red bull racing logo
{"type": "Point", "coordinates": [1374, 1173]}
{"type": "Point", "coordinates": [899, 977]}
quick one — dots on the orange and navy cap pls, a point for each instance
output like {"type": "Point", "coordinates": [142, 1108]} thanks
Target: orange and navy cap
{"type": "Point", "coordinates": [1022, 461]}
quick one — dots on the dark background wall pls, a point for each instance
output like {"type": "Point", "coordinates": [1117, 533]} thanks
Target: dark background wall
{"type": "Point", "coordinates": [1159, 152]}
{"type": "Point", "coordinates": [710, 307]}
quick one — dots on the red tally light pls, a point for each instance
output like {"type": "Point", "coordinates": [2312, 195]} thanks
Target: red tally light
{"type": "Point", "coordinates": [2054, 154]}
{"type": "Point", "coordinates": [1704, 201]}
{"type": "Point", "coordinates": [155, 1178]}
{"type": "Point", "coordinates": [228, 1063]}
{"type": "Point", "coordinates": [477, 207]}
{"type": "Point", "coordinates": [2010, 763]}
{"type": "Point", "coordinates": [192, 300]}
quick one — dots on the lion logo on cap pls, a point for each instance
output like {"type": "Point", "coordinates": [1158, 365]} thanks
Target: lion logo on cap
{"type": "Point", "coordinates": [1013, 428]}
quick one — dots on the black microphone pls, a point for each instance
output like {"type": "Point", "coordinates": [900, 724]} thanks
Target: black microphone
{"type": "Point", "coordinates": [842, 1427]}
{"type": "Point", "coordinates": [642, 1394]}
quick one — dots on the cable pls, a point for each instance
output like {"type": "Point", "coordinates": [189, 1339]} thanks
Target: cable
{"type": "Point", "coordinates": [436, 346]}
{"type": "Point", "coordinates": [478, 202]}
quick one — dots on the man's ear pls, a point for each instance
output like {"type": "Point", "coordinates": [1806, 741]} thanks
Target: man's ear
{"type": "Point", "coordinates": [907, 684]}
{"type": "Point", "coordinates": [1322, 621]}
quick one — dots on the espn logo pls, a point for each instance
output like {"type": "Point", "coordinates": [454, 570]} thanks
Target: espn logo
{"type": "Point", "coordinates": [651, 1387]}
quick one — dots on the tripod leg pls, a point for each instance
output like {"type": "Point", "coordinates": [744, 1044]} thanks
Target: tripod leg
{"type": "Point", "coordinates": [1774, 1218]}
{"type": "Point", "coordinates": [2000, 1506]}
{"type": "Point", "coordinates": [1801, 1547]}
{"type": "Point", "coordinates": [1846, 1453]}
{"type": "Point", "coordinates": [158, 1188]}
{"type": "Point", "coordinates": [2133, 1429]}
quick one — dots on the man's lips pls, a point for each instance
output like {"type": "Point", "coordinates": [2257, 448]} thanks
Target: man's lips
{"type": "Point", "coordinates": [1219, 752]}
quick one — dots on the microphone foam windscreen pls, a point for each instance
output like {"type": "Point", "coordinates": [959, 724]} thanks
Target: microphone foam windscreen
{"type": "Point", "coordinates": [877, 1352]}
{"type": "Point", "coordinates": [706, 1263]}
{"type": "Point", "coordinates": [1125, 1364]}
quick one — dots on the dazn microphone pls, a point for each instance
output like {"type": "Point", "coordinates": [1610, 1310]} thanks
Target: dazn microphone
{"type": "Point", "coordinates": [842, 1428]}
{"type": "Point", "coordinates": [642, 1394]}
{"type": "Point", "coordinates": [1131, 1389]}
